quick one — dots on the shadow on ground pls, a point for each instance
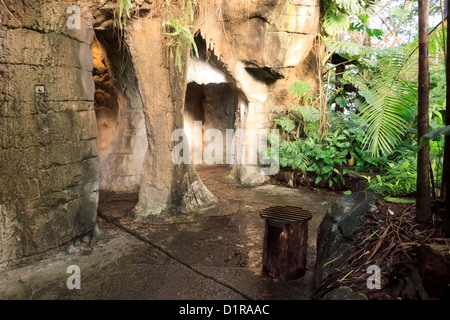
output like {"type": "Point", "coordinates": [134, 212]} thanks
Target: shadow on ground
{"type": "Point", "coordinates": [214, 254]}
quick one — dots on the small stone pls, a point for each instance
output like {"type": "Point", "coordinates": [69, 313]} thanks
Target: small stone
{"type": "Point", "coordinates": [72, 249]}
{"type": "Point", "coordinates": [97, 231]}
{"type": "Point", "coordinates": [344, 293]}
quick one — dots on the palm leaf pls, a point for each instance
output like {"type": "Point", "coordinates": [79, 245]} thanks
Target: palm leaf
{"type": "Point", "coordinates": [390, 105]}
{"type": "Point", "coordinates": [433, 135]}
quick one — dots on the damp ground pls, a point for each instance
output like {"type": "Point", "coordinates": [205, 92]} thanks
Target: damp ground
{"type": "Point", "coordinates": [213, 254]}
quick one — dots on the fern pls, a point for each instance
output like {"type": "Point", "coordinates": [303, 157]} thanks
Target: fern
{"type": "Point", "coordinates": [350, 50]}
{"type": "Point", "coordinates": [308, 114]}
{"type": "Point", "coordinates": [294, 154]}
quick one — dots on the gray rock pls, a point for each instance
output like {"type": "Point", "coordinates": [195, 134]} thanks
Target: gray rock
{"type": "Point", "coordinates": [349, 211]}
{"type": "Point", "coordinates": [336, 232]}
{"type": "Point", "coordinates": [344, 293]}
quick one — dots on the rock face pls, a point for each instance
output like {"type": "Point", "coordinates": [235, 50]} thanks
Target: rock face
{"type": "Point", "coordinates": [122, 136]}
{"type": "Point", "coordinates": [343, 293]}
{"type": "Point", "coordinates": [50, 162]}
{"type": "Point", "coordinates": [264, 47]}
{"type": "Point", "coordinates": [434, 269]}
{"type": "Point", "coordinates": [338, 229]}
{"type": "Point", "coordinates": [48, 146]}
{"type": "Point", "coordinates": [215, 106]}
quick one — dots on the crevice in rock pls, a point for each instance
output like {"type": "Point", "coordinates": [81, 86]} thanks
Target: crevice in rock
{"type": "Point", "coordinates": [260, 17]}
{"type": "Point", "coordinates": [122, 137]}
{"type": "Point", "coordinates": [264, 74]}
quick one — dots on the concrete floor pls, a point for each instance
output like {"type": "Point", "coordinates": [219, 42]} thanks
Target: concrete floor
{"type": "Point", "coordinates": [215, 254]}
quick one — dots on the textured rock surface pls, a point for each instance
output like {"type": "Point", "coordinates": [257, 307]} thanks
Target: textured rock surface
{"type": "Point", "coordinates": [164, 185]}
{"type": "Point", "coordinates": [344, 293]}
{"type": "Point", "coordinates": [49, 163]}
{"type": "Point", "coordinates": [434, 269]}
{"type": "Point", "coordinates": [48, 147]}
{"type": "Point", "coordinates": [264, 46]}
{"type": "Point", "coordinates": [122, 135]}
{"type": "Point", "coordinates": [336, 232]}
{"type": "Point", "coordinates": [215, 105]}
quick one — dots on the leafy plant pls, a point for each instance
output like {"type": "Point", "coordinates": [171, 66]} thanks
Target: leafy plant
{"type": "Point", "coordinates": [433, 135]}
{"type": "Point", "coordinates": [180, 36]}
{"type": "Point", "coordinates": [121, 13]}
{"type": "Point", "coordinates": [335, 22]}
{"type": "Point", "coordinates": [386, 83]}
{"type": "Point", "coordinates": [363, 26]}
{"type": "Point", "coordinates": [338, 13]}
{"type": "Point", "coordinates": [327, 164]}
{"type": "Point", "coordinates": [300, 88]}
{"type": "Point", "coordinates": [399, 179]}
{"type": "Point", "coordinates": [294, 119]}
{"type": "Point", "coordinates": [180, 31]}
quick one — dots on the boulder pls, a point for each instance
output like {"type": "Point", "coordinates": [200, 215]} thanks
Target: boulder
{"type": "Point", "coordinates": [335, 241]}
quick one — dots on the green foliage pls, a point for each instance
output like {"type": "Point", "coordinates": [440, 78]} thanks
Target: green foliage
{"type": "Point", "coordinates": [324, 158]}
{"type": "Point", "coordinates": [387, 92]}
{"type": "Point", "coordinates": [178, 28]}
{"type": "Point", "coordinates": [180, 36]}
{"type": "Point", "coordinates": [339, 12]}
{"type": "Point", "coordinates": [398, 179]}
{"type": "Point", "coordinates": [121, 11]}
{"type": "Point", "coordinates": [399, 200]}
{"type": "Point", "coordinates": [300, 88]}
{"type": "Point", "coordinates": [351, 6]}
{"type": "Point", "coordinates": [329, 159]}
{"type": "Point", "coordinates": [335, 22]}
{"type": "Point", "coordinates": [433, 135]}
{"type": "Point", "coordinates": [363, 26]}
{"type": "Point", "coordinates": [386, 80]}
{"type": "Point", "coordinates": [379, 90]}
{"type": "Point", "coordinates": [180, 32]}
{"type": "Point", "coordinates": [287, 124]}
{"type": "Point", "coordinates": [294, 120]}
{"type": "Point", "coordinates": [389, 106]}
{"type": "Point", "coordinates": [308, 114]}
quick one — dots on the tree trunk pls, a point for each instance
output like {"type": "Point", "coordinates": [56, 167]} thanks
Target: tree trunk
{"type": "Point", "coordinates": [423, 200]}
{"type": "Point", "coordinates": [165, 186]}
{"type": "Point", "coordinates": [445, 189]}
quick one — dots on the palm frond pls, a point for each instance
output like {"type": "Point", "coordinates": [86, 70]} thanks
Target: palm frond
{"type": "Point", "coordinates": [391, 101]}
{"type": "Point", "coordinates": [390, 105]}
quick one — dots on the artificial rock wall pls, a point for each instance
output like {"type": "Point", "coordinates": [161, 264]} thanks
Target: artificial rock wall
{"type": "Point", "coordinates": [215, 105]}
{"type": "Point", "coordinates": [122, 139]}
{"type": "Point", "coordinates": [264, 46]}
{"type": "Point", "coordinates": [49, 159]}
{"type": "Point", "coordinates": [48, 146]}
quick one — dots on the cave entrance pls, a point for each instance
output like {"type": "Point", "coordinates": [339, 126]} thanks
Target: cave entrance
{"type": "Point", "coordinates": [213, 99]}
{"type": "Point", "coordinates": [122, 137]}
